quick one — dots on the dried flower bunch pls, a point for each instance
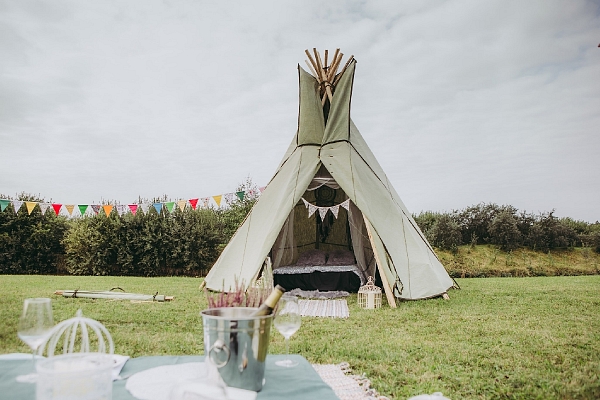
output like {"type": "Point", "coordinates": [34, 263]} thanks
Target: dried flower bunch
{"type": "Point", "coordinates": [239, 297]}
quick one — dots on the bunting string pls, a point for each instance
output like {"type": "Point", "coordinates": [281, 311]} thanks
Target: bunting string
{"type": "Point", "coordinates": [324, 210]}
{"type": "Point", "coordinates": [79, 210]}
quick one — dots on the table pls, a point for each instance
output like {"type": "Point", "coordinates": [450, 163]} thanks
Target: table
{"type": "Point", "coordinates": [300, 382]}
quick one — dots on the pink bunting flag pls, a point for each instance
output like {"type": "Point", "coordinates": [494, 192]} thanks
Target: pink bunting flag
{"type": "Point", "coordinates": [133, 208]}
{"type": "Point", "coordinates": [262, 189]}
{"type": "Point", "coordinates": [193, 203]}
{"type": "Point", "coordinates": [56, 208]}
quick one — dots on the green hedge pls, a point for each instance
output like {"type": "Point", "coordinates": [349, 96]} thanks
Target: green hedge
{"type": "Point", "coordinates": [179, 243]}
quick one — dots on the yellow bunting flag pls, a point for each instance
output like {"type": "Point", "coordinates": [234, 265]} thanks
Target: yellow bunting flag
{"type": "Point", "coordinates": [70, 208]}
{"type": "Point", "coordinates": [107, 209]}
{"type": "Point", "coordinates": [217, 200]}
{"type": "Point", "coordinates": [181, 204]}
{"type": "Point", "coordinates": [30, 206]}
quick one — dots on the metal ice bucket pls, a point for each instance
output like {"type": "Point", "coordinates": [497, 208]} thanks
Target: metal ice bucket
{"type": "Point", "coordinates": [237, 344]}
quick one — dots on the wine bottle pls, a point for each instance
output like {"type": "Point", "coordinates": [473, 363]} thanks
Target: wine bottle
{"type": "Point", "coordinates": [266, 308]}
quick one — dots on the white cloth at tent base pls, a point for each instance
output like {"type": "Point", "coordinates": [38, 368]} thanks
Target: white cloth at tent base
{"type": "Point", "coordinates": [323, 210]}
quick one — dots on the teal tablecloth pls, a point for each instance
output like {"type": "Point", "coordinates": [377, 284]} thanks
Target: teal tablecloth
{"type": "Point", "coordinates": [300, 382]}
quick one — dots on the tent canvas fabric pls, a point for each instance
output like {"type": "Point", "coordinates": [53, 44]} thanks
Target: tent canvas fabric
{"type": "Point", "coordinates": [329, 143]}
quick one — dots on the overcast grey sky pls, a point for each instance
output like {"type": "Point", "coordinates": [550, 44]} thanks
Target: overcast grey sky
{"type": "Point", "coordinates": [462, 102]}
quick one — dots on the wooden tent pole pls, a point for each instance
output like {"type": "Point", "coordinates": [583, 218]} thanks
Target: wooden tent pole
{"type": "Point", "coordinates": [386, 285]}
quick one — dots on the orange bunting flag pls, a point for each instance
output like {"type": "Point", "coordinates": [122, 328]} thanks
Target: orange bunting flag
{"type": "Point", "coordinates": [193, 203]}
{"type": "Point", "coordinates": [181, 204]}
{"type": "Point", "coordinates": [56, 207]}
{"type": "Point", "coordinates": [107, 209]}
{"type": "Point", "coordinates": [133, 208]}
{"type": "Point", "coordinates": [70, 208]}
{"type": "Point", "coordinates": [217, 200]}
{"type": "Point", "coordinates": [30, 206]}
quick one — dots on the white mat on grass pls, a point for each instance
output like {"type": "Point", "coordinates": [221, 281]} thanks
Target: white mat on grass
{"type": "Point", "coordinates": [324, 308]}
{"type": "Point", "coordinates": [346, 385]}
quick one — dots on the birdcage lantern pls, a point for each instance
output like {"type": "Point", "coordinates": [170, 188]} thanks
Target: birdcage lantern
{"type": "Point", "coordinates": [369, 295]}
{"type": "Point", "coordinates": [78, 335]}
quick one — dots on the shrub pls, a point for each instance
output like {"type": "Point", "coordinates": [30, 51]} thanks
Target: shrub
{"type": "Point", "coordinates": [445, 233]}
{"type": "Point", "coordinates": [30, 243]}
{"type": "Point", "coordinates": [504, 231]}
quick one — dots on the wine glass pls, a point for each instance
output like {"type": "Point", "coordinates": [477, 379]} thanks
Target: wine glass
{"type": "Point", "coordinates": [35, 325]}
{"type": "Point", "coordinates": [287, 322]}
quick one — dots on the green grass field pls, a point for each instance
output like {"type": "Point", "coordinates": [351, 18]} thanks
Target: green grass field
{"type": "Point", "coordinates": [513, 338]}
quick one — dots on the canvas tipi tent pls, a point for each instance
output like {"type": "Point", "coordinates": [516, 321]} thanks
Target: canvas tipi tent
{"type": "Point", "coordinates": [329, 152]}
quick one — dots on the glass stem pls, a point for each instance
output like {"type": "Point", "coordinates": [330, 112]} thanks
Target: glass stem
{"type": "Point", "coordinates": [287, 346]}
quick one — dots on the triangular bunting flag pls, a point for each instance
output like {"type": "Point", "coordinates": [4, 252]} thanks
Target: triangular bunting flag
{"type": "Point", "coordinates": [240, 195]}
{"type": "Point", "coordinates": [145, 207]}
{"type": "Point", "coordinates": [170, 205]}
{"type": "Point", "coordinates": [4, 204]}
{"type": "Point", "coordinates": [262, 189]}
{"type": "Point", "coordinates": [107, 209]}
{"type": "Point", "coordinates": [56, 208]}
{"type": "Point", "coordinates": [335, 210]}
{"type": "Point", "coordinates": [311, 209]}
{"type": "Point", "coordinates": [158, 207]}
{"type": "Point", "coordinates": [96, 208]}
{"type": "Point", "coordinates": [346, 204]}
{"type": "Point", "coordinates": [82, 208]}
{"type": "Point", "coordinates": [323, 212]}
{"type": "Point", "coordinates": [133, 208]}
{"type": "Point", "coordinates": [229, 198]}
{"type": "Point", "coordinates": [17, 205]}
{"type": "Point", "coordinates": [30, 206]}
{"type": "Point", "coordinates": [44, 207]}
{"type": "Point", "coordinates": [306, 203]}
{"type": "Point", "coordinates": [193, 203]}
{"type": "Point", "coordinates": [205, 201]}
{"type": "Point", "coordinates": [181, 205]}
{"type": "Point", "coordinates": [217, 199]}
{"type": "Point", "coordinates": [122, 209]}
{"type": "Point", "coordinates": [70, 208]}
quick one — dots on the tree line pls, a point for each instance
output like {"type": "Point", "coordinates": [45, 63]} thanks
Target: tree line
{"type": "Point", "coordinates": [188, 242]}
{"type": "Point", "coordinates": [506, 227]}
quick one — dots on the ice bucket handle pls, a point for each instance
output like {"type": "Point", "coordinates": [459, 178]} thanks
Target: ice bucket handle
{"type": "Point", "coordinates": [217, 347]}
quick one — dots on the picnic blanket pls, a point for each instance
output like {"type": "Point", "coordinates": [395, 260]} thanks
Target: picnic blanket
{"type": "Point", "coordinates": [324, 308]}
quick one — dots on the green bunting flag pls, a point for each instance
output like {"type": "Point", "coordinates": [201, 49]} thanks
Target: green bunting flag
{"type": "Point", "coordinates": [240, 195]}
{"type": "Point", "coordinates": [4, 204]}
{"type": "Point", "coordinates": [82, 208]}
{"type": "Point", "coordinates": [170, 206]}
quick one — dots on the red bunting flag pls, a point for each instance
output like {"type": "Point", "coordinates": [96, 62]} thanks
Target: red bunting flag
{"type": "Point", "coordinates": [193, 203]}
{"type": "Point", "coordinates": [133, 208]}
{"type": "Point", "coordinates": [56, 207]}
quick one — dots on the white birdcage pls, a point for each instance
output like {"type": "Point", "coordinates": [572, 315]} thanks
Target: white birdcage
{"type": "Point", "coordinates": [79, 335]}
{"type": "Point", "coordinates": [369, 295]}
